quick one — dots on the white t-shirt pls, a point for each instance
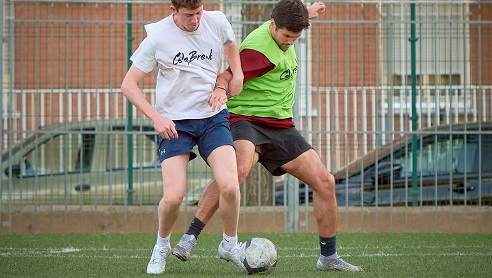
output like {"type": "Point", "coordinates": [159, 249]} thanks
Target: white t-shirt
{"type": "Point", "coordinates": [188, 63]}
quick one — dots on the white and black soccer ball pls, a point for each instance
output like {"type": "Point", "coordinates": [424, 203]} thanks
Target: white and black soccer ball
{"type": "Point", "coordinates": [259, 256]}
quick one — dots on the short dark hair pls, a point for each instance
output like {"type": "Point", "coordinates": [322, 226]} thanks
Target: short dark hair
{"type": "Point", "coordinates": [291, 15]}
{"type": "Point", "coordinates": [188, 4]}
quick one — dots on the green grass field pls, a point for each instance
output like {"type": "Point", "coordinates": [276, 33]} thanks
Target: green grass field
{"type": "Point", "coordinates": [126, 255]}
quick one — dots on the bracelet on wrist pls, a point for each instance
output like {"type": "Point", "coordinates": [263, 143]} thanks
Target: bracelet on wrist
{"type": "Point", "coordinates": [222, 88]}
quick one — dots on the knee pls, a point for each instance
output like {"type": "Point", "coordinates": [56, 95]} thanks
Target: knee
{"type": "Point", "coordinates": [327, 183]}
{"type": "Point", "coordinates": [242, 173]}
{"type": "Point", "coordinates": [172, 200]}
{"type": "Point", "coordinates": [330, 181]}
{"type": "Point", "coordinates": [230, 191]}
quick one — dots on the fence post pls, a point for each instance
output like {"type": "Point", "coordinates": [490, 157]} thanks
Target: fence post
{"type": "Point", "coordinates": [415, 117]}
{"type": "Point", "coordinates": [1, 105]}
{"type": "Point", "coordinates": [129, 109]}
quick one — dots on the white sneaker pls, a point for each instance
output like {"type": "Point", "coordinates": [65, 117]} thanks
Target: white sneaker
{"type": "Point", "coordinates": [157, 264]}
{"type": "Point", "coordinates": [337, 263]}
{"type": "Point", "coordinates": [232, 255]}
{"type": "Point", "coordinates": [183, 249]}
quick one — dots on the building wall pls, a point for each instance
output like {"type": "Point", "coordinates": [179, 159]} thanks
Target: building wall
{"type": "Point", "coordinates": [70, 59]}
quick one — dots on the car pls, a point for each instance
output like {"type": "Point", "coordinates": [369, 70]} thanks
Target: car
{"type": "Point", "coordinates": [454, 167]}
{"type": "Point", "coordinates": [86, 163]}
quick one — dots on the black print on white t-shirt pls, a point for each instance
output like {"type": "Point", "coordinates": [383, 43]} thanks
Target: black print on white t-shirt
{"type": "Point", "coordinates": [192, 56]}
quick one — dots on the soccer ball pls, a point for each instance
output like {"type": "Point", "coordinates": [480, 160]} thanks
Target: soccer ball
{"type": "Point", "coordinates": [259, 256]}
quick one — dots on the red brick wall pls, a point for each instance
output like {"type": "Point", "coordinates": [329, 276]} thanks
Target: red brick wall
{"type": "Point", "coordinates": [73, 47]}
{"type": "Point", "coordinates": [76, 46]}
{"type": "Point", "coordinates": [61, 53]}
{"type": "Point", "coordinates": [481, 50]}
{"type": "Point", "coordinates": [344, 53]}
{"type": "Point", "coordinates": [354, 58]}
{"type": "Point", "coordinates": [480, 42]}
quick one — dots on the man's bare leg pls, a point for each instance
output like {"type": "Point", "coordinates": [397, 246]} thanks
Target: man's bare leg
{"type": "Point", "coordinates": [223, 163]}
{"type": "Point", "coordinates": [174, 185]}
{"type": "Point", "coordinates": [209, 202]}
{"type": "Point", "coordinates": [309, 168]}
{"type": "Point", "coordinates": [174, 176]}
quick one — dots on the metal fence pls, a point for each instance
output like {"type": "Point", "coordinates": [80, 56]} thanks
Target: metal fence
{"type": "Point", "coordinates": [371, 75]}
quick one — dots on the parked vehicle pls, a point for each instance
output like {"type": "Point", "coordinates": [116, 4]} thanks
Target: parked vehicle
{"type": "Point", "coordinates": [454, 166]}
{"type": "Point", "coordinates": [87, 163]}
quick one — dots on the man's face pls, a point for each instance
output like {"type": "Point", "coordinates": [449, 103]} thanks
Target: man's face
{"type": "Point", "coordinates": [186, 19]}
{"type": "Point", "coordinates": [283, 37]}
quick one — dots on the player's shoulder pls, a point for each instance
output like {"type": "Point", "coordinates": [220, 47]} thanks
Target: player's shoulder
{"type": "Point", "coordinates": [214, 15]}
{"type": "Point", "coordinates": [158, 24]}
{"type": "Point", "coordinates": [215, 19]}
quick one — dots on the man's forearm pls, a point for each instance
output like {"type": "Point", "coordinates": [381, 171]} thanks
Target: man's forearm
{"type": "Point", "coordinates": [223, 80]}
{"type": "Point", "coordinates": [232, 56]}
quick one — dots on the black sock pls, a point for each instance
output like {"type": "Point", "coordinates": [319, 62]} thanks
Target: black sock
{"type": "Point", "coordinates": [328, 245]}
{"type": "Point", "coordinates": [196, 227]}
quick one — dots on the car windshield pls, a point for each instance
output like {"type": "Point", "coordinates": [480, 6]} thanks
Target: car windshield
{"type": "Point", "coordinates": [440, 154]}
{"type": "Point", "coordinates": [63, 153]}
{"type": "Point", "coordinates": [73, 151]}
{"type": "Point", "coordinates": [439, 158]}
{"type": "Point", "coordinates": [144, 149]}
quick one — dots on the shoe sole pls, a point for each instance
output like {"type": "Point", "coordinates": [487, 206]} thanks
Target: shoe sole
{"type": "Point", "coordinates": [342, 270]}
{"type": "Point", "coordinates": [227, 260]}
{"type": "Point", "coordinates": [150, 272]}
{"type": "Point", "coordinates": [176, 252]}
{"type": "Point", "coordinates": [240, 265]}
{"type": "Point", "coordinates": [338, 268]}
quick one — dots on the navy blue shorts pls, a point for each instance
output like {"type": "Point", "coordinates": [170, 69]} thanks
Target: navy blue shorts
{"type": "Point", "coordinates": [275, 146]}
{"type": "Point", "coordinates": [208, 134]}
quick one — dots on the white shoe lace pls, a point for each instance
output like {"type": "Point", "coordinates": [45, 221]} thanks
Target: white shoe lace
{"type": "Point", "coordinates": [158, 255]}
{"type": "Point", "coordinates": [188, 242]}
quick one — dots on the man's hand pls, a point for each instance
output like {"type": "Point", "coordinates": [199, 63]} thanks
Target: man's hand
{"type": "Point", "coordinates": [315, 9]}
{"type": "Point", "coordinates": [217, 98]}
{"type": "Point", "coordinates": [165, 127]}
{"type": "Point", "coordinates": [235, 85]}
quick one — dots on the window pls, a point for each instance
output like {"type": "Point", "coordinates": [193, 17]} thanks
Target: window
{"type": "Point", "coordinates": [436, 157]}
{"type": "Point", "coordinates": [442, 84]}
{"type": "Point", "coordinates": [62, 153]}
{"type": "Point", "coordinates": [404, 81]}
{"type": "Point", "coordinates": [144, 149]}
{"type": "Point", "coordinates": [441, 52]}
{"type": "Point", "coordinates": [443, 156]}
{"type": "Point", "coordinates": [446, 84]}
{"type": "Point", "coordinates": [486, 154]}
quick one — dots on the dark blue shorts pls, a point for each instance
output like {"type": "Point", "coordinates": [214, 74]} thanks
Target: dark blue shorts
{"type": "Point", "coordinates": [208, 134]}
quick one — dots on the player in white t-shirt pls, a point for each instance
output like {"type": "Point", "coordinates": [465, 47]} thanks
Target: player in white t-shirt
{"type": "Point", "coordinates": [188, 47]}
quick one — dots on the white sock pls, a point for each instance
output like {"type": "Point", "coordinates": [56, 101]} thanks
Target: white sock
{"type": "Point", "coordinates": [163, 241]}
{"type": "Point", "coordinates": [229, 241]}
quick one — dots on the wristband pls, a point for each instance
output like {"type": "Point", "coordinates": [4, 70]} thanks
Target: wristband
{"type": "Point", "coordinates": [222, 88]}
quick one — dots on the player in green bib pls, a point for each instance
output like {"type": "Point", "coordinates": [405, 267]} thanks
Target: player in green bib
{"type": "Point", "coordinates": [271, 94]}
{"type": "Point", "coordinates": [263, 129]}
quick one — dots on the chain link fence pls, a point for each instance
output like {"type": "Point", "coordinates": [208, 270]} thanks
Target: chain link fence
{"type": "Point", "coordinates": [395, 96]}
